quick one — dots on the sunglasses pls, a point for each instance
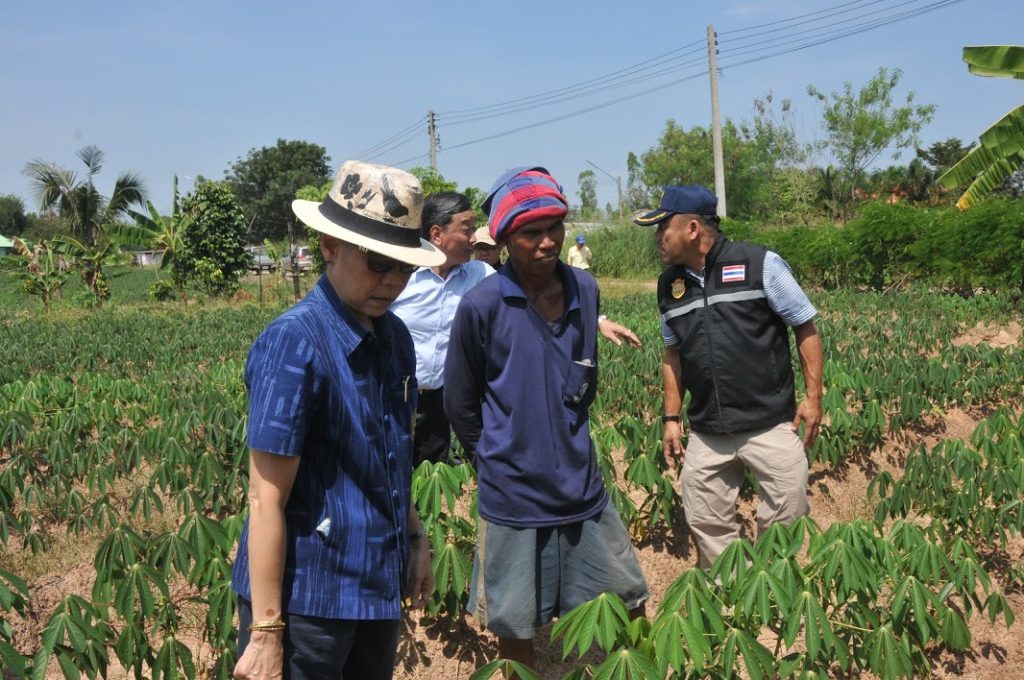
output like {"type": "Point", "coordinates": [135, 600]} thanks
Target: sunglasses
{"type": "Point", "coordinates": [382, 264]}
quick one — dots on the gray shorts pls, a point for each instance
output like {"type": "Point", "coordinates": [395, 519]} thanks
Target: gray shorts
{"type": "Point", "coordinates": [522, 578]}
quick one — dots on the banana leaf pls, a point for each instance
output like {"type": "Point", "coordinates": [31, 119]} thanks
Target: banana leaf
{"type": "Point", "coordinates": [999, 155]}
{"type": "Point", "coordinates": [995, 61]}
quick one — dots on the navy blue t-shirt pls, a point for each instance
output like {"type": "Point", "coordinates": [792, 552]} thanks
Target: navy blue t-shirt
{"type": "Point", "coordinates": [517, 393]}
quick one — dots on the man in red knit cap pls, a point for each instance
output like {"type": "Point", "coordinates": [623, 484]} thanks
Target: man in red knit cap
{"type": "Point", "coordinates": [520, 375]}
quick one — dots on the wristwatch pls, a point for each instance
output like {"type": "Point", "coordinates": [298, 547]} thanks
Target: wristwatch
{"type": "Point", "coordinates": [670, 419]}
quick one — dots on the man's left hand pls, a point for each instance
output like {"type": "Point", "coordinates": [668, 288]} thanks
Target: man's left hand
{"type": "Point", "coordinates": [616, 333]}
{"type": "Point", "coordinates": [809, 412]}
{"type": "Point", "coordinates": [421, 576]}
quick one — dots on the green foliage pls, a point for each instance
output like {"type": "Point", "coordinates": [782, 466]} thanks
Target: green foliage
{"type": "Point", "coordinates": [213, 255]}
{"type": "Point", "coordinates": [13, 220]}
{"type": "Point", "coordinates": [315, 193]}
{"type": "Point", "coordinates": [157, 405]}
{"type": "Point", "coordinates": [622, 251]}
{"type": "Point", "coordinates": [588, 195]}
{"type": "Point", "coordinates": [265, 181]}
{"type": "Point", "coordinates": [432, 181]}
{"type": "Point", "coordinates": [861, 125]}
{"type": "Point", "coordinates": [41, 270]}
{"type": "Point", "coordinates": [82, 208]}
{"type": "Point", "coordinates": [159, 233]}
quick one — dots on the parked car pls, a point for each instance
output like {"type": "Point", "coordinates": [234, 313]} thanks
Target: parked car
{"type": "Point", "coordinates": [303, 260]}
{"type": "Point", "coordinates": [261, 262]}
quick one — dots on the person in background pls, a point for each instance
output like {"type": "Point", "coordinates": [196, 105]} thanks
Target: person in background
{"type": "Point", "coordinates": [520, 377]}
{"type": "Point", "coordinates": [580, 255]}
{"type": "Point", "coordinates": [726, 310]}
{"type": "Point", "coordinates": [427, 306]}
{"type": "Point", "coordinates": [332, 541]}
{"type": "Point", "coordinates": [485, 249]}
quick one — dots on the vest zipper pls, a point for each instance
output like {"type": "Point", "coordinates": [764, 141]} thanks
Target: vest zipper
{"type": "Point", "coordinates": [711, 351]}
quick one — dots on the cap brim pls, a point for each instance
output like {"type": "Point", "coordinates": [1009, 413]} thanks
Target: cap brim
{"type": "Point", "coordinates": [423, 255]}
{"type": "Point", "coordinates": [652, 217]}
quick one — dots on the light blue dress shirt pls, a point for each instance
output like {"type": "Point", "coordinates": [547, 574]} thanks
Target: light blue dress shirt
{"type": "Point", "coordinates": [427, 306]}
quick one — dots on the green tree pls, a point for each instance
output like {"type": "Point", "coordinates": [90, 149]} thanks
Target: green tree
{"type": "Point", "coordinates": [861, 125]}
{"type": "Point", "coordinates": [82, 208]}
{"type": "Point", "coordinates": [42, 270]}
{"type": "Point", "coordinates": [159, 232]}
{"type": "Point", "coordinates": [685, 157]}
{"type": "Point", "coordinates": [432, 181]}
{"type": "Point", "coordinates": [13, 220]}
{"type": "Point", "coordinates": [941, 156]}
{"type": "Point", "coordinates": [588, 195]}
{"type": "Point", "coordinates": [265, 182]}
{"type": "Point", "coordinates": [42, 227]}
{"type": "Point", "coordinates": [213, 255]}
{"type": "Point", "coordinates": [774, 154]}
{"type": "Point", "coordinates": [1000, 154]}
{"type": "Point", "coordinates": [90, 259]}
{"type": "Point", "coordinates": [637, 196]}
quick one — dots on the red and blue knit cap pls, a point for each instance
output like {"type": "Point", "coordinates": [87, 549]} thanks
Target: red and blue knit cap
{"type": "Point", "coordinates": [520, 196]}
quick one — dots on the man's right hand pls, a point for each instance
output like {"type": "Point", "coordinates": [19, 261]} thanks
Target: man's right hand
{"type": "Point", "coordinates": [672, 444]}
{"type": "Point", "coordinates": [263, 658]}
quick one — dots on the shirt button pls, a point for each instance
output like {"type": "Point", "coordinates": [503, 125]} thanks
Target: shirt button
{"type": "Point", "coordinates": [387, 418]}
{"type": "Point", "coordinates": [395, 496]}
{"type": "Point", "coordinates": [391, 456]}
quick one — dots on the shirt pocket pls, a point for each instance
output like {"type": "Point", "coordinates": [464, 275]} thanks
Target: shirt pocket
{"type": "Point", "coordinates": [580, 384]}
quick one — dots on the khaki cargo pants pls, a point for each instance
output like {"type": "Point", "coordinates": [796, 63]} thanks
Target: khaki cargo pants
{"type": "Point", "coordinates": [713, 473]}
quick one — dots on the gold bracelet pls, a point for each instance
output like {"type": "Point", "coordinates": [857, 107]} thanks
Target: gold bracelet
{"type": "Point", "coordinates": [276, 624]}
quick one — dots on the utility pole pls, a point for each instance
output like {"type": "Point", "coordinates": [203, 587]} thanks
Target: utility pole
{"type": "Point", "coordinates": [716, 125]}
{"type": "Point", "coordinates": [618, 183]}
{"type": "Point", "coordinates": [432, 132]}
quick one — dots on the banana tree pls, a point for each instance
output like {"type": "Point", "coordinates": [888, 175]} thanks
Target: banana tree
{"type": "Point", "coordinates": [90, 260]}
{"type": "Point", "coordinates": [158, 232]}
{"type": "Point", "coordinates": [42, 270]}
{"type": "Point", "coordinates": [1000, 152]}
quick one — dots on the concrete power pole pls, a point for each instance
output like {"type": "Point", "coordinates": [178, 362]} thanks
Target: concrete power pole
{"type": "Point", "coordinates": [618, 183]}
{"type": "Point", "coordinates": [432, 132]}
{"type": "Point", "coordinates": [716, 125]}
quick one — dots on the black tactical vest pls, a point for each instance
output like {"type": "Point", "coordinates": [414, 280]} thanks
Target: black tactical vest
{"type": "Point", "coordinates": [733, 349]}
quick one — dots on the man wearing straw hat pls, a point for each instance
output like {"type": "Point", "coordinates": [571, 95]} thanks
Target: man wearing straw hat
{"type": "Point", "coordinates": [484, 248]}
{"type": "Point", "coordinates": [332, 542]}
{"type": "Point", "coordinates": [520, 377]}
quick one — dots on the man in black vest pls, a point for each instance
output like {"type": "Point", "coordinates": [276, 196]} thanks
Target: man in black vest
{"type": "Point", "coordinates": [726, 309]}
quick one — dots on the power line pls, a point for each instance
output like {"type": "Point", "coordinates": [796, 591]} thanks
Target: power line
{"type": "Point", "coordinates": [563, 90]}
{"type": "Point", "coordinates": [816, 29]}
{"type": "Point", "coordinates": [801, 16]}
{"type": "Point", "coordinates": [633, 74]}
{"type": "Point", "coordinates": [387, 141]}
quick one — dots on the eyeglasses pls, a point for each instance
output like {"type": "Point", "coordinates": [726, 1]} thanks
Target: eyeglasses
{"type": "Point", "coordinates": [382, 264]}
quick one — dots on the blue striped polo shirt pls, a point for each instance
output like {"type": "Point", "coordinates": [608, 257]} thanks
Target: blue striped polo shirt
{"type": "Point", "coordinates": [324, 388]}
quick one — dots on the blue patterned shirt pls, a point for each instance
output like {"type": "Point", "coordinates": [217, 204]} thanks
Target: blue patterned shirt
{"type": "Point", "coordinates": [324, 388]}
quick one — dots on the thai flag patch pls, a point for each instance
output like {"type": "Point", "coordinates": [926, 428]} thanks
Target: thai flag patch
{"type": "Point", "coordinates": [734, 273]}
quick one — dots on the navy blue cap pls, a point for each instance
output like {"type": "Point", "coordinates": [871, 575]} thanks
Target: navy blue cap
{"type": "Point", "coordinates": [581, 238]}
{"type": "Point", "coordinates": [503, 180]}
{"type": "Point", "coordinates": [690, 199]}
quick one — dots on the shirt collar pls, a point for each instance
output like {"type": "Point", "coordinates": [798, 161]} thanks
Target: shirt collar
{"type": "Point", "coordinates": [427, 272]}
{"type": "Point", "coordinates": [510, 288]}
{"type": "Point", "coordinates": [352, 333]}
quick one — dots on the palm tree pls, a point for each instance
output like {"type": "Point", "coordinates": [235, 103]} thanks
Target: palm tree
{"type": "Point", "coordinates": [1001, 151]}
{"type": "Point", "coordinates": [83, 209]}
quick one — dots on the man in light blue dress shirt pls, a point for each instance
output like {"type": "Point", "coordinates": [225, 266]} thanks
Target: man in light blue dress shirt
{"type": "Point", "coordinates": [427, 306]}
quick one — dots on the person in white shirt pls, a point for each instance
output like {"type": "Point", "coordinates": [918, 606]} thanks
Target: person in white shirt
{"type": "Point", "coordinates": [427, 306]}
{"type": "Point", "coordinates": [580, 255]}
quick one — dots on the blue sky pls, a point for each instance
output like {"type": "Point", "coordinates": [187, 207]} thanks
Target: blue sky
{"type": "Point", "coordinates": [188, 87]}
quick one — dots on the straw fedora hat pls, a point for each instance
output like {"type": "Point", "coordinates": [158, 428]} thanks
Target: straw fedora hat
{"type": "Point", "coordinates": [374, 206]}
